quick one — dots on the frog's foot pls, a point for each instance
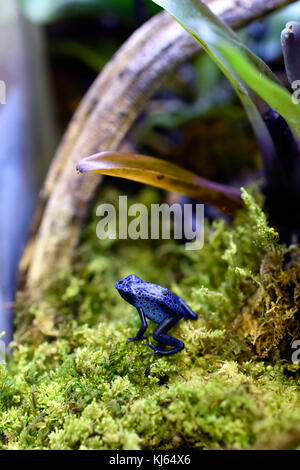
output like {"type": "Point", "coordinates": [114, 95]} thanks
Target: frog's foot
{"type": "Point", "coordinates": [164, 352]}
{"type": "Point", "coordinates": [149, 345]}
{"type": "Point", "coordinates": [152, 347]}
{"type": "Point", "coordinates": [136, 338]}
{"type": "Point", "coordinates": [140, 333]}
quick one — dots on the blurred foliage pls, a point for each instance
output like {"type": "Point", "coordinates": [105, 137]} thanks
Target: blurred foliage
{"type": "Point", "coordinates": [196, 118]}
{"type": "Point", "coordinates": [90, 56]}
{"type": "Point", "coordinates": [46, 11]}
{"type": "Point", "coordinates": [262, 36]}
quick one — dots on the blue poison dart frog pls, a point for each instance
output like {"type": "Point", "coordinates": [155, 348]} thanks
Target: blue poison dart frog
{"type": "Point", "coordinates": [159, 305]}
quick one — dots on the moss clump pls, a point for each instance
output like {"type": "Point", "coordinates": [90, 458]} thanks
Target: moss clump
{"type": "Point", "coordinates": [74, 383]}
{"type": "Point", "coordinates": [270, 321]}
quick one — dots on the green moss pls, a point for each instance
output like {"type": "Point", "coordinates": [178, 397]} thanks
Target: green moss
{"type": "Point", "coordinates": [73, 383]}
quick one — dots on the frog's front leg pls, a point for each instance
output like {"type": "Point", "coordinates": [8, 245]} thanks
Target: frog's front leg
{"type": "Point", "coordinates": [140, 333]}
{"type": "Point", "coordinates": [159, 335]}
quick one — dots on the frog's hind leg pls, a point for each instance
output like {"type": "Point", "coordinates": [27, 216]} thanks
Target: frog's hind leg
{"type": "Point", "coordinates": [160, 335]}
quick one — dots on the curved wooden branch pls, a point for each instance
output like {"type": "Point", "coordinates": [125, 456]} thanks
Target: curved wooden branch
{"type": "Point", "coordinates": [104, 118]}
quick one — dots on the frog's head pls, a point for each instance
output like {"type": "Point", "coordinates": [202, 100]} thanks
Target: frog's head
{"type": "Point", "coordinates": [125, 287]}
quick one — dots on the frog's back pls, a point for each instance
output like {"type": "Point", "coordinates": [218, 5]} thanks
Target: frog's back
{"type": "Point", "coordinates": [158, 302]}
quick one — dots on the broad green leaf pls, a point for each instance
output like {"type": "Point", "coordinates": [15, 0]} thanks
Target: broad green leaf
{"type": "Point", "coordinates": [165, 175]}
{"type": "Point", "coordinates": [201, 23]}
{"type": "Point", "coordinates": [210, 32]}
{"type": "Point", "coordinates": [275, 95]}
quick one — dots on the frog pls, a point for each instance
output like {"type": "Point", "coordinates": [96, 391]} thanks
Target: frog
{"type": "Point", "coordinates": [159, 305]}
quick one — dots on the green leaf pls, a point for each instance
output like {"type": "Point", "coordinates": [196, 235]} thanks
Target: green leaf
{"type": "Point", "coordinates": [199, 21]}
{"type": "Point", "coordinates": [275, 95]}
{"type": "Point", "coordinates": [211, 33]}
{"type": "Point", "coordinates": [165, 175]}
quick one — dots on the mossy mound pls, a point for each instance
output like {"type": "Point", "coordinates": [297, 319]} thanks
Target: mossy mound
{"type": "Point", "coordinates": [74, 383]}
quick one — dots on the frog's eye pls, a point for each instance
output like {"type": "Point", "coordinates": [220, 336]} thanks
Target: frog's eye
{"type": "Point", "coordinates": [165, 292]}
